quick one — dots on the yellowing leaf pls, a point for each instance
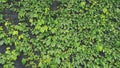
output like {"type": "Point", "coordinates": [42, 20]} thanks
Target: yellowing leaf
{"type": "Point", "coordinates": [99, 48]}
{"type": "Point", "coordinates": [15, 32]}
{"type": "Point", "coordinates": [6, 23]}
{"type": "Point", "coordinates": [40, 64]}
{"type": "Point", "coordinates": [1, 28]}
{"type": "Point", "coordinates": [30, 20]}
{"type": "Point", "coordinates": [105, 10]}
{"type": "Point", "coordinates": [43, 29]}
{"type": "Point", "coordinates": [19, 37]}
{"type": "Point", "coordinates": [40, 22]}
{"type": "Point", "coordinates": [8, 48]}
{"type": "Point", "coordinates": [46, 10]}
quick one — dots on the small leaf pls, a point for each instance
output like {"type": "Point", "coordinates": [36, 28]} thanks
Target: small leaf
{"type": "Point", "coordinates": [1, 16]}
{"type": "Point", "coordinates": [118, 43]}
{"type": "Point", "coordinates": [1, 43]}
{"type": "Point", "coordinates": [105, 10]}
{"type": "Point", "coordinates": [8, 48]}
{"type": "Point", "coordinates": [40, 64]}
{"type": "Point", "coordinates": [15, 32]}
{"type": "Point", "coordinates": [3, 1]}
{"type": "Point", "coordinates": [1, 28]}
{"type": "Point", "coordinates": [43, 29]}
{"type": "Point", "coordinates": [23, 61]}
{"type": "Point", "coordinates": [56, 22]}
{"type": "Point", "coordinates": [99, 48]}
{"type": "Point", "coordinates": [46, 10]}
{"type": "Point", "coordinates": [31, 20]}
{"type": "Point", "coordinates": [82, 4]}
{"type": "Point", "coordinates": [40, 22]}
{"type": "Point", "coordinates": [35, 15]}
{"type": "Point", "coordinates": [57, 60]}
{"type": "Point", "coordinates": [20, 37]}
{"type": "Point", "coordinates": [2, 61]}
{"type": "Point", "coordinates": [53, 30]}
{"type": "Point", "coordinates": [118, 10]}
{"type": "Point", "coordinates": [7, 23]}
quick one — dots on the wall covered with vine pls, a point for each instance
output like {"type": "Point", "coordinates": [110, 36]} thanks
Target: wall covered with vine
{"type": "Point", "coordinates": [59, 33]}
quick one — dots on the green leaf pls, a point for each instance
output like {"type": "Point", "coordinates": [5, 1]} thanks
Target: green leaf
{"type": "Point", "coordinates": [43, 29]}
{"type": "Point", "coordinates": [53, 30]}
{"type": "Point", "coordinates": [31, 20]}
{"type": "Point", "coordinates": [1, 42]}
{"type": "Point", "coordinates": [99, 48]}
{"type": "Point", "coordinates": [82, 4]}
{"type": "Point", "coordinates": [57, 60]}
{"type": "Point", "coordinates": [105, 10]}
{"type": "Point", "coordinates": [118, 43]}
{"type": "Point", "coordinates": [1, 28]}
{"type": "Point", "coordinates": [23, 61]}
{"type": "Point", "coordinates": [40, 22]}
{"type": "Point", "coordinates": [3, 1]}
{"type": "Point", "coordinates": [2, 61]}
{"type": "Point", "coordinates": [1, 16]}
{"type": "Point", "coordinates": [40, 64]}
{"type": "Point", "coordinates": [56, 21]}
{"type": "Point", "coordinates": [118, 10]}
{"type": "Point", "coordinates": [35, 15]}
{"type": "Point", "coordinates": [15, 32]}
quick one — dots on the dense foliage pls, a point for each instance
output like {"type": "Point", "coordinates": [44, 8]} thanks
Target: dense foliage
{"type": "Point", "coordinates": [60, 34]}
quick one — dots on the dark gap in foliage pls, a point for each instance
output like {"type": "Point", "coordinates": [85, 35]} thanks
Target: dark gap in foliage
{"type": "Point", "coordinates": [82, 42]}
{"type": "Point", "coordinates": [81, 65]}
{"type": "Point", "coordinates": [1, 65]}
{"type": "Point", "coordinates": [73, 12]}
{"type": "Point", "coordinates": [12, 47]}
{"type": "Point", "coordinates": [102, 54]}
{"type": "Point", "coordinates": [29, 65]}
{"type": "Point", "coordinates": [95, 57]}
{"type": "Point", "coordinates": [10, 16]}
{"type": "Point", "coordinates": [35, 18]}
{"type": "Point", "coordinates": [86, 61]}
{"type": "Point", "coordinates": [71, 57]}
{"type": "Point", "coordinates": [54, 16]}
{"type": "Point", "coordinates": [4, 46]}
{"type": "Point", "coordinates": [12, 1]}
{"type": "Point", "coordinates": [115, 61]}
{"type": "Point", "coordinates": [31, 35]}
{"type": "Point", "coordinates": [113, 19]}
{"type": "Point", "coordinates": [4, 28]}
{"type": "Point", "coordinates": [88, 2]}
{"type": "Point", "coordinates": [61, 59]}
{"type": "Point", "coordinates": [86, 29]}
{"type": "Point", "coordinates": [94, 40]}
{"type": "Point", "coordinates": [55, 5]}
{"type": "Point", "coordinates": [26, 20]}
{"type": "Point", "coordinates": [18, 62]}
{"type": "Point", "coordinates": [37, 53]}
{"type": "Point", "coordinates": [67, 48]}
{"type": "Point", "coordinates": [106, 32]}
{"type": "Point", "coordinates": [117, 27]}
